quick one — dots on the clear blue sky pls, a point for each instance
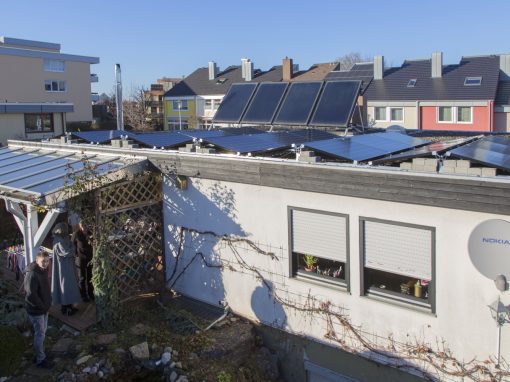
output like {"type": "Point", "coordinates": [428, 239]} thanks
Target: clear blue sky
{"type": "Point", "coordinates": [152, 39]}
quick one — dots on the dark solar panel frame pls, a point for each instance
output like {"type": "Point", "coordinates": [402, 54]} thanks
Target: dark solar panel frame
{"type": "Point", "coordinates": [229, 98]}
{"type": "Point", "coordinates": [324, 102]}
{"type": "Point", "coordinates": [100, 136]}
{"type": "Point", "coordinates": [288, 95]}
{"type": "Point", "coordinates": [162, 139]}
{"type": "Point", "coordinates": [255, 103]}
{"type": "Point", "coordinates": [476, 153]}
{"type": "Point", "coordinates": [362, 148]}
{"type": "Point", "coordinates": [424, 151]}
{"type": "Point", "coordinates": [266, 142]}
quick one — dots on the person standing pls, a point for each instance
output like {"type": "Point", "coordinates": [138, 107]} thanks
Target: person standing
{"type": "Point", "coordinates": [38, 302]}
{"type": "Point", "coordinates": [81, 241]}
{"type": "Point", "coordinates": [64, 285]}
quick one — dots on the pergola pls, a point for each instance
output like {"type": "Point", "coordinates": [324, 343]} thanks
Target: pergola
{"type": "Point", "coordinates": [35, 176]}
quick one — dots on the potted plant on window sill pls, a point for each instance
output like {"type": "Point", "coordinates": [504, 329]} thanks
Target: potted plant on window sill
{"type": "Point", "coordinates": [310, 262]}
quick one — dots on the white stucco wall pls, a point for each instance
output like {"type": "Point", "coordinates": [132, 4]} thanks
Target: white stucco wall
{"type": "Point", "coordinates": [12, 126]}
{"type": "Point", "coordinates": [258, 213]}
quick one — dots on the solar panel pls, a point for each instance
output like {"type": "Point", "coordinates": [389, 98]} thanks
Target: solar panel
{"type": "Point", "coordinates": [336, 103]}
{"type": "Point", "coordinates": [345, 148]}
{"type": "Point", "coordinates": [476, 152]}
{"type": "Point", "coordinates": [425, 151]}
{"type": "Point", "coordinates": [234, 103]}
{"type": "Point", "coordinates": [267, 141]}
{"type": "Point", "coordinates": [298, 103]}
{"type": "Point", "coordinates": [494, 145]}
{"type": "Point", "coordinates": [163, 139]}
{"type": "Point", "coordinates": [100, 136]}
{"type": "Point", "coordinates": [366, 147]}
{"type": "Point", "coordinates": [265, 102]}
{"type": "Point", "coordinates": [501, 140]}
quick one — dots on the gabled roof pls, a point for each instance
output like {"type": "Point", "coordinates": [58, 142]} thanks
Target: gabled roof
{"type": "Point", "coordinates": [198, 83]}
{"type": "Point", "coordinates": [316, 72]}
{"type": "Point", "coordinates": [393, 87]}
{"type": "Point", "coordinates": [503, 94]}
{"type": "Point", "coordinates": [363, 71]}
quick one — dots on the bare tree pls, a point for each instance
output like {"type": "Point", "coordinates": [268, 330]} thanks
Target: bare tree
{"type": "Point", "coordinates": [137, 109]}
{"type": "Point", "coordinates": [348, 60]}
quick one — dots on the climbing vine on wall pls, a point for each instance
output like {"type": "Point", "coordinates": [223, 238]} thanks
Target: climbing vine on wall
{"type": "Point", "coordinates": [432, 361]}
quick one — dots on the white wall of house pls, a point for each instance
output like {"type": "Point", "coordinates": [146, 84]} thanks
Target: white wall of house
{"type": "Point", "coordinates": [259, 214]}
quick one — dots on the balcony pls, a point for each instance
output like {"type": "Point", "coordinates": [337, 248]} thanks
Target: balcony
{"type": "Point", "coordinates": [94, 97]}
{"type": "Point", "coordinates": [94, 77]}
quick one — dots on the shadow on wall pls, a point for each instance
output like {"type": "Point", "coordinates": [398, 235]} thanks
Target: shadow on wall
{"type": "Point", "coordinates": [267, 309]}
{"type": "Point", "coordinates": [192, 255]}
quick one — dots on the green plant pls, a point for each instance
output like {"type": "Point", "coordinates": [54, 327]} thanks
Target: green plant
{"type": "Point", "coordinates": [310, 261]}
{"type": "Point", "coordinates": [224, 376]}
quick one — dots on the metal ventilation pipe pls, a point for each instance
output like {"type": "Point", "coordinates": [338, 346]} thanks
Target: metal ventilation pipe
{"type": "Point", "coordinates": [118, 98]}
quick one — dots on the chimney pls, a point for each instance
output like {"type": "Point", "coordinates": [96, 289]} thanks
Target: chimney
{"type": "Point", "coordinates": [378, 67]}
{"type": "Point", "coordinates": [437, 64]}
{"type": "Point", "coordinates": [243, 67]}
{"type": "Point", "coordinates": [504, 67]}
{"type": "Point", "coordinates": [287, 69]}
{"type": "Point", "coordinates": [248, 70]}
{"type": "Point", "coordinates": [213, 70]}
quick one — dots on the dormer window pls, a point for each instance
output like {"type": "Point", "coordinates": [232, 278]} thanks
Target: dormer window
{"type": "Point", "coordinates": [473, 81]}
{"type": "Point", "coordinates": [412, 83]}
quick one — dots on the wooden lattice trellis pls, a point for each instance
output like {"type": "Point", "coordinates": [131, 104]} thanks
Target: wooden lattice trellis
{"type": "Point", "coordinates": [132, 212]}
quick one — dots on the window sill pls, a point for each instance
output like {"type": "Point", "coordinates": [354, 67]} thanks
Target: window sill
{"type": "Point", "coordinates": [311, 278]}
{"type": "Point", "coordinates": [394, 298]}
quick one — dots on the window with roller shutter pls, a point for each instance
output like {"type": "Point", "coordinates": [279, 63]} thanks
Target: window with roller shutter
{"type": "Point", "coordinates": [398, 261]}
{"type": "Point", "coordinates": [319, 245]}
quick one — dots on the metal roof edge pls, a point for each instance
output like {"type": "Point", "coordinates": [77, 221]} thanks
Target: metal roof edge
{"type": "Point", "coordinates": [49, 55]}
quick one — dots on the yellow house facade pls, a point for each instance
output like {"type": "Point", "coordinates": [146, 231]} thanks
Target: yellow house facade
{"type": "Point", "coordinates": [180, 113]}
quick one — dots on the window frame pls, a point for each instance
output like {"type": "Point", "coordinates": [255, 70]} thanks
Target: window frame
{"type": "Point", "coordinates": [478, 80]}
{"type": "Point", "coordinates": [389, 113]}
{"type": "Point", "coordinates": [452, 108]}
{"type": "Point", "coordinates": [391, 296]}
{"type": "Point", "coordinates": [47, 65]}
{"type": "Point", "coordinates": [470, 115]}
{"type": "Point", "coordinates": [385, 114]}
{"type": "Point", "coordinates": [52, 123]}
{"type": "Point", "coordinates": [58, 82]}
{"type": "Point", "coordinates": [209, 107]}
{"type": "Point", "coordinates": [412, 82]}
{"type": "Point", "coordinates": [344, 283]}
{"type": "Point", "coordinates": [184, 105]}
{"type": "Point", "coordinates": [455, 115]}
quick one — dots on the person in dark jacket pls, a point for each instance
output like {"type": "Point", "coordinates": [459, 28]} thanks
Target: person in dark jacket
{"type": "Point", "coordinates": [64, 283]}
{"type": "Point", "coordinates": [38, 302]}
{"type": "Point", "coordinates": [81, 241]}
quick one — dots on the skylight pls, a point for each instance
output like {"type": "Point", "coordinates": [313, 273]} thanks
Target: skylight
{"type": "Point", "coordinates": [412, 83]}
{"type": "Point", "coordinates": [473, 81]}
{"type": "Point", "coordinates": [221, 80]}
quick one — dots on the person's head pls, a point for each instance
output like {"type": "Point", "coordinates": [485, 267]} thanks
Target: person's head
{"type": "Point", "coordinates": [61, 229]}
{"type": "Point", "coordinates": [42, 259]}
{"type": "Point", "coordinates": [82, 226]}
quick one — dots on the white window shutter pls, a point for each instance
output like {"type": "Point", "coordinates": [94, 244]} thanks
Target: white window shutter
{"type": "Point", "coordinates": [318, 234]}
{"type": "Point", "coordinates": [398, 249]}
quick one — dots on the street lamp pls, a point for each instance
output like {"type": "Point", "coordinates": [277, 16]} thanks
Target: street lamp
{"type": "Point", "coordinates": [179, 107]}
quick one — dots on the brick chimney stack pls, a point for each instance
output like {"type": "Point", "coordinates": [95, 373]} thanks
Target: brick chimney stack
{"type": "Point", "coordinates": [288, 68]}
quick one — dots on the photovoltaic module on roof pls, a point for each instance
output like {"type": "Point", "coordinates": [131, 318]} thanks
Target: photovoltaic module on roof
{"type": "Point", "coordinates": [492, 152]}
{"type": "Point", "coordinates": [235, 102]}
{"type": "Point", "coordinates": [366, 147]}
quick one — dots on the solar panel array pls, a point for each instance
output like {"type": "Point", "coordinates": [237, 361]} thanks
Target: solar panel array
{"type": "Point", "coordinates": [315, 103]}
{"type": "Point", "coordinates": [162, 139]}
{"type": "Point", "coordinates": [436, 148]}
{"type": "Point", "coordinates": [362, 148]}
{"type": "Point", "coordinates": [492, 151]}
{"type": "Point", "coordinates": [235, 102]}
{"type": "Point", "coordinates": [266, 142]}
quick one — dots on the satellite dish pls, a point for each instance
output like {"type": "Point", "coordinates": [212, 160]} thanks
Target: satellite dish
{"type": "Point", "coordinates": [396, 129]}
{"type": "Point", "coordinates": [489, 248]}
